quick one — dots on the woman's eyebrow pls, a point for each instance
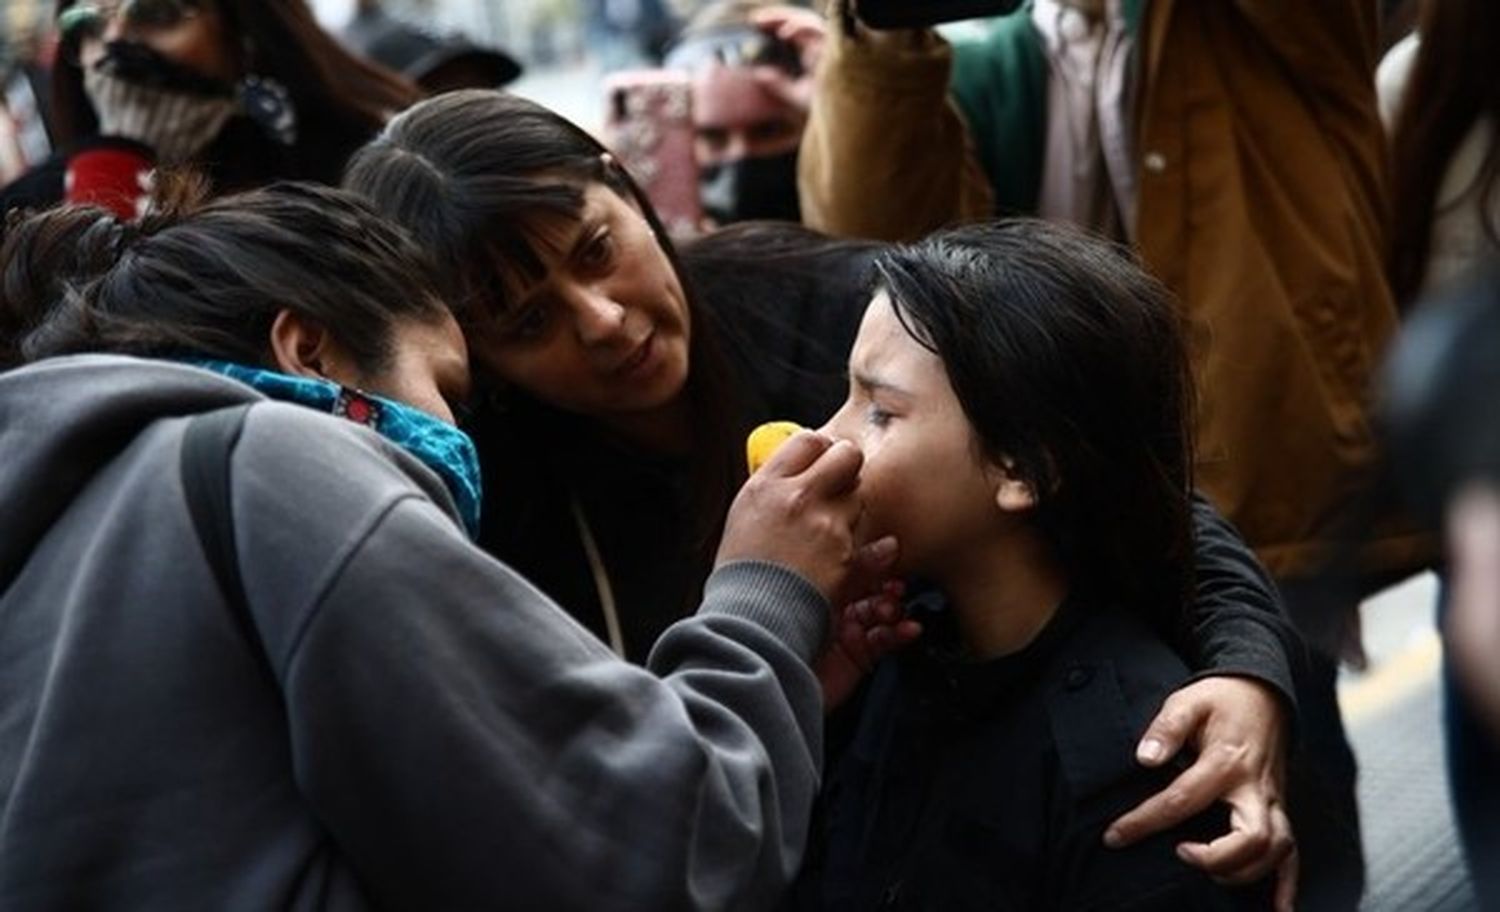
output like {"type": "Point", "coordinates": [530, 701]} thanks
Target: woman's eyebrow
{"type": "Point", "coordinates": [869, 381]}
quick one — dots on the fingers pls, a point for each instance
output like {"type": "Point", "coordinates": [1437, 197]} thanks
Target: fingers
{"type": "Point", "coordinates": [1253, 847]}
{"type": "Point", "coordinates": [871, 628]}
{"type": "Point", "coordinates": [877, 557]}
{"type": "Point", "coordinates": [883, 607]}
{"type": "Point", "coordinates": [796, 92]}
{"type": "Point", "coordinates": [1279, 855]}
{"type": "Point", "coordinates": [836, 472]}
{"type": "Point", "coordinates": [1171, 729]}
{"type": "Point", "coordinates": [800, 511]}
{"type": "Point", "coordinates": [873, 564]}
{"type": "Point", "coordinates": [862, 621]}
{"type": "Point", "coordinates": [1199, 786]}
{"type": "Point", "coordinates": [1277, 848]}
{"type": "Point", "coordinates": [796, 455]}
{"type": "Point", "coordinates": [790, 24]}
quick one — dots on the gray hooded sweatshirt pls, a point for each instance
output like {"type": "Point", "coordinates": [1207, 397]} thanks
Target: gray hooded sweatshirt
{"type": "Point", "coordinates": [434, 733]}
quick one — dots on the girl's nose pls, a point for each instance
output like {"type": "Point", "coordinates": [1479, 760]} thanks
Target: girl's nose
{"type": "Point", "coordinates": [835, 428]}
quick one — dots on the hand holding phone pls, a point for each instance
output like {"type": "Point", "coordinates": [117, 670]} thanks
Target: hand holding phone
{"type": "Point", "coordinates": [908, 14]}
{"type": "Point", "coordinates": [649, 127]}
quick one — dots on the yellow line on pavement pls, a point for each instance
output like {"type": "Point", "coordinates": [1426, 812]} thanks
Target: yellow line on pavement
{"type": "Point", "coordinates": [1393, 679]}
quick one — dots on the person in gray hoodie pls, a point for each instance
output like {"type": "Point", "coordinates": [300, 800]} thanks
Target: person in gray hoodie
{"type": "Point", "coordinates": [394, 719]}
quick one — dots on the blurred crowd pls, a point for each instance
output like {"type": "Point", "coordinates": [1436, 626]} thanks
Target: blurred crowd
{"type": "Point", "coordinates": [1140, 341]}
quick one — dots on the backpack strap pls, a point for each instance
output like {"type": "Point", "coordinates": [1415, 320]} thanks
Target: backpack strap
{"type": "Point", "coordinates": [207, 447]}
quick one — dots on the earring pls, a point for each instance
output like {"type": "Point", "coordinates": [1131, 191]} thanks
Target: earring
{"type": "Point", "coordinates": [268, 103]}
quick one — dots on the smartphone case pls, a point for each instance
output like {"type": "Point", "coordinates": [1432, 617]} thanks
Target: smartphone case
{"type": "Point", "coordinates": [902, 14]}
{"type": "Point", "coordinates": [649, 127]}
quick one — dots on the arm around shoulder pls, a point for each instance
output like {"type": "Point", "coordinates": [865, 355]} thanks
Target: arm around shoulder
{"type": "Point", "coordinates": [1238, 622]}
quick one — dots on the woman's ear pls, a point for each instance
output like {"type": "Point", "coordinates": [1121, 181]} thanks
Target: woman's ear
{"type": "Point", "coordinates": [1012, 493]}
{"type": "Point", "coordinates": [305, 348]}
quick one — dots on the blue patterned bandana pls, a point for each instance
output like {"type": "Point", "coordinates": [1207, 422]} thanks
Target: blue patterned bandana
{"type": "Point", "coordinates": [439, 445]}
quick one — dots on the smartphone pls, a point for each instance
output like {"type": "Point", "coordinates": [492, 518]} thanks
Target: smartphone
{"type": "Point", "coordinates": [900, 14]}
{"type": "Point", "coordinates": [648, 125]}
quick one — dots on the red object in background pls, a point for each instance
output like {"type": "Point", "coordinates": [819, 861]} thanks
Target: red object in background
{"type": "Point", "coordinates": [115, 177]}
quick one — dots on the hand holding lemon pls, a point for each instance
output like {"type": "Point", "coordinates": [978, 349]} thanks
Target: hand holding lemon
{"type": "Point", "coordinates": [765, 440]}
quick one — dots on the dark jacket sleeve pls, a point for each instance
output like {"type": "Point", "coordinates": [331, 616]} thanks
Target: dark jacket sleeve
{"type": "Point", "coordinates": [1239, 625]}
{"type": "Point", "coordinates": [467, 744]}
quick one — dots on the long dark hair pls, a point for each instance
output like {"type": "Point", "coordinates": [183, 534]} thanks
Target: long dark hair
{"type": "Point", "coordinates": [1069, 363]}
{"type": "Point", "coordinates": [1453, 85]}
{"type": "Point", "coordinates": [788, 301]}
{"type": "Point", "coordinates": [196, 280]}
{"type": "Point", "coordinates": [470, 172]}
{"type": "Point", "coordinates": [338, 96]}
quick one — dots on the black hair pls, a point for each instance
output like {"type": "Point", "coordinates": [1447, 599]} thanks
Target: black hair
{"type": "Point", "coordinates": [732, 22]}
{"type": "Point", "coordinates": [207, 280]}
{"type": "Point", "coordinates": [471, 174]}
{"type": "Point", "coordinates": [1070, 365]}
{"type": "Point", "coordinates": [791, 299]}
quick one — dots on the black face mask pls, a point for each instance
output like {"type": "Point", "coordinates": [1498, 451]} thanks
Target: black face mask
{"type": "Point", "coordinates": [762, 187]}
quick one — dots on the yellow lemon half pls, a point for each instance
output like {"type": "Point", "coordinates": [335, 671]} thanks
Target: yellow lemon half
{"type": "Point", "coordinates": [765, 440]}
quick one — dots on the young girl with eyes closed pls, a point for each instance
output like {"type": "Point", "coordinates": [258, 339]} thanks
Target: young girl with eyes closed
{"type": "Point", "coordinates": [1021, 396]}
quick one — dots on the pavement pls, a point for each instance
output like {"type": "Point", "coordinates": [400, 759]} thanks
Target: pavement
{"type": "Point", "coordinates": [1393, 712]}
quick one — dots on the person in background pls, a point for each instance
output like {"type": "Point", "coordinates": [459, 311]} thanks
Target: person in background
{"type": "Point", "coordinates": [323, 695]}
{"type": "Point", "coordinates": [1440, 99]}
{"type": "Point", "coordinates": [24, 57]}
{"type": "Point", "coordinates": [1474, 615]}
{"type": "Point", "coordinates": [1237, 145]}
{"type": "Point", "coordinates": [752, 65]}
{"type": "Point", "coordinates": [12, 156]}
{"type": "Point", "coordinates": [246, 91]}
{"type": "Point", "coordinates": [1471, 688]}
{"type": "Point", "coordinates": [616, 399]}
{"type": "Point", "coordinates": [436, 64]}
{"type": "Point", "coordinates": [628, 33]}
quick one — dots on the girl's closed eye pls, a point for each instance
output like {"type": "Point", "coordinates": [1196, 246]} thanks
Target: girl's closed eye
{"type": "Point", "coordinates": [877, 416]}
